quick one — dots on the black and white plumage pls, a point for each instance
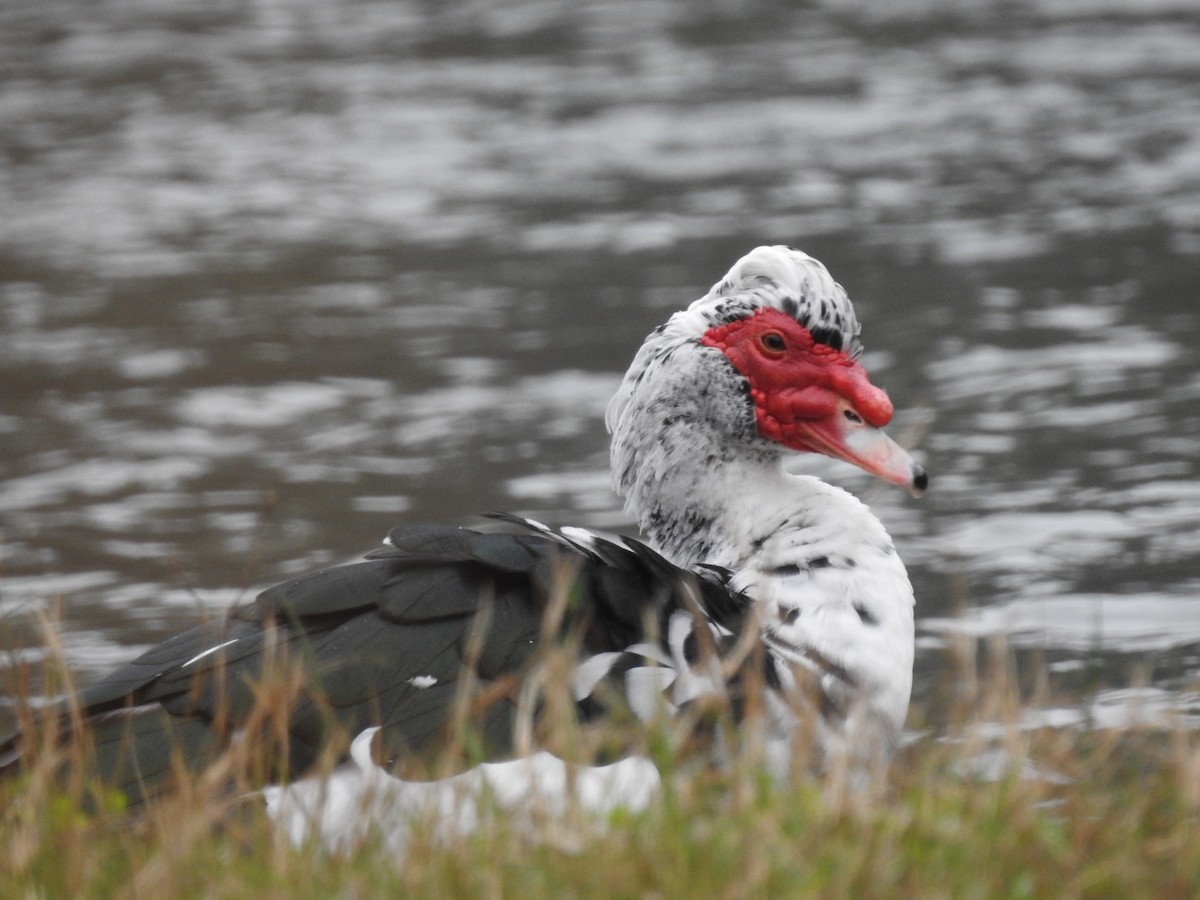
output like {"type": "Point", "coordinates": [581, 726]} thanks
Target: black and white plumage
{"type": "Point", "coordinates": [793, 577]}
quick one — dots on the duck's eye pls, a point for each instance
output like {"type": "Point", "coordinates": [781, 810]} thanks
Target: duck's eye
{"type": "Point", "coordinates": [852, 416]}
{"type": "Point", "coordinates": [773, 342]}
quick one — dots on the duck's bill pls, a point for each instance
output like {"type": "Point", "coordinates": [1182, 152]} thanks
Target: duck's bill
{"type": "Point", "coordinates": [844, 435]}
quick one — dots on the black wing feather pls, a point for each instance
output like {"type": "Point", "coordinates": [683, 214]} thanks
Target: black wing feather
{"type": "Point", "coordinates": [384, 642]}
{"type": "Point", "coordinates": [335, 590]}
{"type": "Point", "coordinates": [434, 591]}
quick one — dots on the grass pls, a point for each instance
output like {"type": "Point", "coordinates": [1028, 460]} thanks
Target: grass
{"type": "Point", "coordinates": [1068, 813]}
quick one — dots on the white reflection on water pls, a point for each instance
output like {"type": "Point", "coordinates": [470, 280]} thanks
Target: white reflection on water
{"type": "Point", "coordinates": [257, 407]}
{"type": "Point", "coordinates": [1036, 543]}
{"type": "Point", "coordinates": [1132, 623]}
{"type": "Point", "coordinates": [97, 477]}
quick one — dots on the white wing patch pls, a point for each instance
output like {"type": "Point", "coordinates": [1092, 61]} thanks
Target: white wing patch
{"type": "Point", "coordinates": [361, 799]}
{"type": "Point", "coordinates": [211, 650]}
{"type": "Point", "coordinates": [644, 688]}
{"type": "Point", "coordinates": [422, 681]}
{"type": "Point", "coordinates": [589, 672]}
{"type": "Point", "coordinates": [580, 536]}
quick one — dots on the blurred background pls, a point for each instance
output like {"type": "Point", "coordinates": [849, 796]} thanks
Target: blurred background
{"type": "Point", "coordinates": [278, 275]}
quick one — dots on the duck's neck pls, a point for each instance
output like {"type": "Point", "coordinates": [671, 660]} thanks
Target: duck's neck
{"type": "Point", "coordinates": [686, 459]}
{"type": "Point", "coordinates": [699, 515]}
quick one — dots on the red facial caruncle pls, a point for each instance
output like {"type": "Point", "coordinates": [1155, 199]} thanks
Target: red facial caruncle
{"type": "Point", "coordinates": [809, 396]}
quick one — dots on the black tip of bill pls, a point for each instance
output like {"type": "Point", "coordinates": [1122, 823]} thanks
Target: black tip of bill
{"type": "Point", "coordinates": [920, 480]}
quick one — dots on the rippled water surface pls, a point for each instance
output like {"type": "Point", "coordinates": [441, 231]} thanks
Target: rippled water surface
{"type": "Point", "coordinates": [276, 276]}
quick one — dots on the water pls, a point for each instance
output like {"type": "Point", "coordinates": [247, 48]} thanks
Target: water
{"type": "Point", "coordinates": [277, 276]}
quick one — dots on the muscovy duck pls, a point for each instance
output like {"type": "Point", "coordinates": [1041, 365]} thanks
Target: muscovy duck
{"type": "Point", "coordinates": [752, 576]}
